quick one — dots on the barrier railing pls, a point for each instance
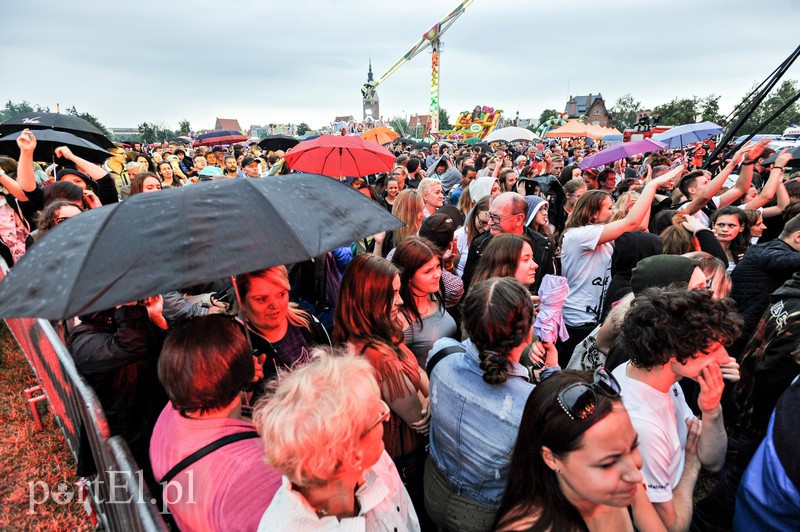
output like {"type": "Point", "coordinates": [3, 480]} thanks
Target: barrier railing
{"type": "Point", "coordinates": [120, 496]}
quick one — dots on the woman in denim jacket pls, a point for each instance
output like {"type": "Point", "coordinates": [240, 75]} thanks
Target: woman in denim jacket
{"type": "Point", "coordinates": [477, 398]}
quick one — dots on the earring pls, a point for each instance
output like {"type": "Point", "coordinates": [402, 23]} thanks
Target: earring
{"type": "Point", "coordinates": [557, 470]}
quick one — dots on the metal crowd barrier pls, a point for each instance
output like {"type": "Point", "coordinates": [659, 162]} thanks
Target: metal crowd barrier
{"type": "Point", "coordinates": [120, 496]}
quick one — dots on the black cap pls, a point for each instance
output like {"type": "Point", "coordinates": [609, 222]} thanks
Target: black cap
{"type": "Point", "coordinates": [659, 271]}
{"type": "Point", "coordinates": [439, 229]}
{"type": "Point", "coordinates": [90, 183]}
{"type": "Point", "coordinates": [248, 161]}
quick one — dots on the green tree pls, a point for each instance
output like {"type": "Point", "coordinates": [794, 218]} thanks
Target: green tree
{"type": "Point", "coordinates": [624, 111]}
{"type": "Point", "coordinates": [444, 119]}
{"type": "Point", "coordinates": [91, 119]}
{"type": "Point", "coordinates": [787, 90]}
{"type": "Point", "coordinates": [12, 109]}
{"type": "Point", "coordinates": [302, 128]}
{"type": "Point", "coordinates": [400, 125]}
{"type": "Point", "coordinates": [546, 115]}
{"type": "Point", "coordinates": [709, 109]}
{"type": "Point", "coordinates": [678, 111]}
{"type": "Point", "coordinates": [184, 127]}
{"type": "Point", "coordinates": [147, 133]}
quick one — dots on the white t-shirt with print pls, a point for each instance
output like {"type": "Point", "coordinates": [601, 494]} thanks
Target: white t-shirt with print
{"type": "Point", "coordinates": [660, 421]}
{"type": "Point", "coordinates": [587, 267]}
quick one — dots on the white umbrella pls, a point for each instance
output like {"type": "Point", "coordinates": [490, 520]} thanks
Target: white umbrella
{"type": "Point", "coordinates": [510, 134]}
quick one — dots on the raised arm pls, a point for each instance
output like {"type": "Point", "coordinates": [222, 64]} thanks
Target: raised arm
{"type": "Point", "coordinates": [639, 210]}
{"type": "Point", "coordinates": [88, 168]}
{"type": "Point", "coordinates": [26, 180]}
{"type": "Point", "coordinates": [770, 188]}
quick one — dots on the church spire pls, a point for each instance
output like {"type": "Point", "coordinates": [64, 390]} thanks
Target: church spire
{"type": "Point", "coordinates": [369, 74]}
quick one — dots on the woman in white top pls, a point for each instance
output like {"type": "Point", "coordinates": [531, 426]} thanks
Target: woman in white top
{"type": "Point", "coordinates": [586, 256]}
{"type": "Point", "coordinates": [323, 431]}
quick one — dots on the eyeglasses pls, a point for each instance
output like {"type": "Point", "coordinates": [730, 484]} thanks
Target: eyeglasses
{"type": "Point", "coordinates": [384, 415]}
{"type": "Point", "coordinates": [61, 219]}
{"type": "Point", "coordinates": [494, 219]}
{"type": "Point", "coordinates": [481, 223]}
{"type": "Point", "coordinates": [579, 400]}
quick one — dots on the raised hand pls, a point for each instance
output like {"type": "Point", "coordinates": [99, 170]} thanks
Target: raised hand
{"type": "Point", "coordinates": [26, 141]}
{"type": "Point", "coordinates": [711, 386]}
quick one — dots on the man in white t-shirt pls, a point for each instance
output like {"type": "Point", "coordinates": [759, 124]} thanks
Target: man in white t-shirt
{"type": "Point", "coordinates": [701, 191]}
{"type": "Point", "coordinates": [672, 333]}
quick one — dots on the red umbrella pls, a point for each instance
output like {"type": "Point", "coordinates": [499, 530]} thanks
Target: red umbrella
{"type": "Point", "coordinates": [219, 138]}
{"type": "Point", "coordinates": [337, 156]}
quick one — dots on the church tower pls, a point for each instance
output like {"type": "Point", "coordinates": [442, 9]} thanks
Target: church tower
{"type": "Point", "coordinates": [371, 103]}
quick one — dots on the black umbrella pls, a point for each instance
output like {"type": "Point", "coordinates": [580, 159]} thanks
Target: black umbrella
{"type": "Point", "coordinates": [153, 243]}
{"type": "Point", "coordinates": [48, 140]}
{"type": "Point", "coordinates": [485, 148]}
{"type": "Point", "coordinates": [420, 145]}
{"type": "Point", "coordinates": [57, 122]}
{"type": "Point", "coordinates": [277, 142]}
{"type": "Point", "coordinates": [794, 161]}
{"type": "Point", "coordinates": [405, 140]}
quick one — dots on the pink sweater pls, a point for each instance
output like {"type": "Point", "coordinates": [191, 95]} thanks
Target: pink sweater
{"type": "Point", "coordinates": [228, 489]}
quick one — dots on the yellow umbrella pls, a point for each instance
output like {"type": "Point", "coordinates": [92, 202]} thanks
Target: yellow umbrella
{"type": "Point", "coordinates": [380, 135]}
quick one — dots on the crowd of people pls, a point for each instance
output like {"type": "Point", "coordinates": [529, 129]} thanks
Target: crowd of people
{"type": "Point", "coordinates": [398, 383]}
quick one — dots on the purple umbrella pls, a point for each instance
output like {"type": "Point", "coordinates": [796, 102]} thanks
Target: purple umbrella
{"type": "Point", "coordinates": [678, 136]}
{"type": "Point", "coordinates": [620, 151]}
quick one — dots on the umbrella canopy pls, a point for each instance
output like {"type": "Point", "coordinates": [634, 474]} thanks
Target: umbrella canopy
{"type": "Point", "coordinates": [421, 145]}
{"type": "Point", "coordinates": [573, 128]}
{"type": "Point", "coordinates": [153, 243]}
{"type": "Point", "coordinates": [509, 134]}
{"type": "Point", "coordinates": [473, 140]}
{"type": "Point", "coordinates": [47, 140]}
{"type": "Point", "coordinates": [380, 135]}
{"type": "Point", "coordinates": [485, 148]}
{"type": "Point", "coordinates": [221, 137]}
{"type": "Point", "coordinates": [620, 151]}
{"type": "Point", "coordinates": [278, 142]}
{"type": "Point", "coordinates": [688, 133]}
{"type": "Point", "coordinates": [794, 161]}
{"type": "Point", "coordinates": [56, 122]}
{"type": "Point", "coordinates": [406, 140]}
{"type": "Point", "coordinates": [338, 156]}
{"type": "Point", "coordinates": [182, 140]}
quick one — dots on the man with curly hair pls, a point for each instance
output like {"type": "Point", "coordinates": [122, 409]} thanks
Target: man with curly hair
{"type": "Point", "coordinates": [672, 333]}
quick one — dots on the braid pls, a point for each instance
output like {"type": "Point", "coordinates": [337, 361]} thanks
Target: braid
{"type": "Point", "coordinates": [494, 366]}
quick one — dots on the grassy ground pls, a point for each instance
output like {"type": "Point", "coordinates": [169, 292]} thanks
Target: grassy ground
{"type": "Point", "coordinates": [28, 455]}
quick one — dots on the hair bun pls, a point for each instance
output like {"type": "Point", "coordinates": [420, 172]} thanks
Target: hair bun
{"type": "Point", "coordinates": [494, 366]}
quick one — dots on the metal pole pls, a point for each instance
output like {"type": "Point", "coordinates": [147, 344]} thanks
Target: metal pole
{"type": "Point", "coordinates": [778, 74]}
{"type": "Point", "coordinates": [434, 108]}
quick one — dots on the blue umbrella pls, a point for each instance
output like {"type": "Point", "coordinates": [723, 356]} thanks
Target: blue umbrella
{"type": "Point", "coordinates": [620, 151]}
{"type": "Point", "coordinates": [688, 134]}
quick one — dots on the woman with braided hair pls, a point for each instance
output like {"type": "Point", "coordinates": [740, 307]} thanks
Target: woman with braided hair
{"type": "Point", "coordinates": [478, 393]}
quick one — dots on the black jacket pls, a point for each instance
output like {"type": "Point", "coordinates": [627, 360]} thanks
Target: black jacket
{"type": "Point", "coordinates": [762, 270]}
{"type": "Point", "coordinates": [768, 362]}
{"type": "Point", "coordinates": [314, 334]}
{"type": "Point", "coordinates": [479, 244]}
{"type": "Point", "coordinates": [117, 352]}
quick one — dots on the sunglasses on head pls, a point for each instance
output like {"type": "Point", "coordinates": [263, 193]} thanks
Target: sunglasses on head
{"type": "Point", "coordinates": [579, 400]}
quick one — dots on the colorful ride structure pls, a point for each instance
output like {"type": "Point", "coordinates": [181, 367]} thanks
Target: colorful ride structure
{"type": "Point", "coordinates": [432, 39]}
{"type": "Point", "coordinates": [472, 126]}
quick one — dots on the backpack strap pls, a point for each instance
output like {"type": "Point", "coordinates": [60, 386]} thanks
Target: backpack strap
{"type": "Point", "coordinates": [440, 354]}
{"type": "Point", "coordinates": [204, 451]}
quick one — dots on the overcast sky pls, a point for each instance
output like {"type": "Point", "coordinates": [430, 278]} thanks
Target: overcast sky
{"type": "Point", "coordinates": [305, 60]}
